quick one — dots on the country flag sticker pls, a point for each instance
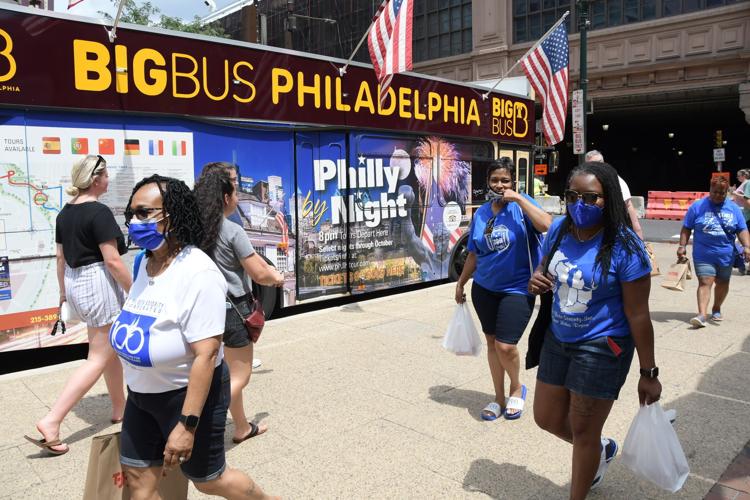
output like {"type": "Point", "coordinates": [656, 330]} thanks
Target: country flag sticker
{"type": "Point", "coordinates": [132, 147]}
{"type": "Point", "coordinates": [179, 148]}
{"type": "Point", "coordinates": [51, 145]}
{"type": "Point", "coordinates": [79, 146]}
{"type": "Point", "coordinates": [156, 147]}
{"type": "Point", "coordinates": [106, 146]}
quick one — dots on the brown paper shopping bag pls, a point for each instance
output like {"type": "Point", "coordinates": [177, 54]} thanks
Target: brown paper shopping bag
{"type": "Point", "coordinates": [652, 258]}
{"type": "Point", "coordinates": [676, 276]}
{"type": "Point", "coordinates": [105, 480]}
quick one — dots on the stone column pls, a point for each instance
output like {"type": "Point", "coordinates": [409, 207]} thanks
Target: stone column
{"type": "Point", "coordinates": [745, 100]}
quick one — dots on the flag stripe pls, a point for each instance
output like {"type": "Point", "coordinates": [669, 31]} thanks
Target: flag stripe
{"type": "Point", "coordinates": [547, 70]}
{"type": "Point", "coordinates": [389, 42]}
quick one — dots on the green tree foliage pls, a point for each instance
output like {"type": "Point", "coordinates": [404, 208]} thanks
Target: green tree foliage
{"type": "Point", "coordinates": [148, 14]}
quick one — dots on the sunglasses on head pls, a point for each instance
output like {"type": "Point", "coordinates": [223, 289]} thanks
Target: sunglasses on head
{"type": "Point", "coordinates": [490, 226]}
{"type": "Point", "coordinates": [589, 197]}
{"type": "Point", "coordinates": [99, 161]}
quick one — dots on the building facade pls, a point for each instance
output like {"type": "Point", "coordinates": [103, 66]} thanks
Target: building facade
{"type": "Point", "coordinates": [664, 75]}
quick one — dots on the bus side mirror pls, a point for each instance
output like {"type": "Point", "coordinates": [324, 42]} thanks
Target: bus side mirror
{"type": "Point", "coordinates": [553, 161]}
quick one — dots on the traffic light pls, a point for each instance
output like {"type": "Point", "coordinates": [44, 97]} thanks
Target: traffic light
{"type": "Point", "coordinates": [718, 139]}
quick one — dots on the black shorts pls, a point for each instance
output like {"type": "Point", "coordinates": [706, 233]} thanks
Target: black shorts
{"type": "Point", "coordinates": [235, 333]}
{"type": "Point", "coordinates": [504, 315]}
{"type": "Point", "coordinates": [150, 418]}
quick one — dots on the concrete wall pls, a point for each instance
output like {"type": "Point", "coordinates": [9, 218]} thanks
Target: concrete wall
{"type": "Point", "coordinates": [696, 51]}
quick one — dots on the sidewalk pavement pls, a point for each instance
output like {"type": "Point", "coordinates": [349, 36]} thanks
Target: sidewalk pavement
{"type": "Point", "coordinates": [363, 402]}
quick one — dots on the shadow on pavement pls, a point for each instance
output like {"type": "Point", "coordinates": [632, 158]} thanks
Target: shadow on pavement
{"type": "Point", "coordinates": [473, 401]}
{"type": "Point", "coordinates": [509, 481]}
{"type": "Point", "coordinates": [666, 316]}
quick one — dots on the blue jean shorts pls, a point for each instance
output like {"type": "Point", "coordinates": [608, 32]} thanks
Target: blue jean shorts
{"type": "Point", "coordinates": [504, 315]}
{"type": "Point", "coordinates": [595, 368]}
{"type": "Point", "coordinates": [722, 273]}
{"type": "Point", "coordinates": [150, 418]}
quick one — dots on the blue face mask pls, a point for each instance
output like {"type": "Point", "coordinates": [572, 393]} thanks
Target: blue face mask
{"type": "Point", "coordinates": [145, 234]}
{"type": "Point", "coordinates": [585, 216]}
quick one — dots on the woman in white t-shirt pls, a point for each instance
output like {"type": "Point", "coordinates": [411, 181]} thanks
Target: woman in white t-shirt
{"type": "Point", "coordinates": [168, 337]}
{"type": "Point", "coordinates": [229, 247]}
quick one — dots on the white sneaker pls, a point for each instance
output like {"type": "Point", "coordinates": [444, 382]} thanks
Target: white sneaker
{"type": "Point", "coordinates": [698, 321]}
{"type": "Point", "coordinates": [609, 450]}
{"type": "Point", "coordinates": [257, 363]}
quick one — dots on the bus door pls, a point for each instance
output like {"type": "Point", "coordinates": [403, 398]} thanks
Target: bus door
{"type": "Point", "coordinates": [322, 195]}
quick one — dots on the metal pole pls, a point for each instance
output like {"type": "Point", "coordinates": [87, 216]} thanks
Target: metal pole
{"type": "Point", "coordinates": [582, 8]}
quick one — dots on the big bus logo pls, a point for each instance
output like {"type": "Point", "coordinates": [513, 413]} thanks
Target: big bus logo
{"type": "Point", "coordinates": [5, 53]}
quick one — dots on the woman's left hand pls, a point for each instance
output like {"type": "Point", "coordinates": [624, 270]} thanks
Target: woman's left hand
{"type": "Point", "coordinates": [747, 254]}
{"type": "Point", "coordinates": [510, 195]}
{"type": "Point", "coordinates": [179, 446]}
{"type": "Point", "coordinates": [649, 390]}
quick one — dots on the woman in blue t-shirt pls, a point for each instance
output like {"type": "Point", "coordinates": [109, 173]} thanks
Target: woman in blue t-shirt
{"type": "Point", "coordinates": [598, 319]}
{"type": "Point", "coordinates": [503, 249]}
{"type": "Point", "coordinates": [716, 221]}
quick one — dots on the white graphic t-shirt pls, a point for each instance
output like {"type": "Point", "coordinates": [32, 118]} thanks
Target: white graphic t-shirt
{"type": "Point", "coordinates": [163, 315]}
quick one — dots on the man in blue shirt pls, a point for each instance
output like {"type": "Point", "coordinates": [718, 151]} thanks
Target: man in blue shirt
{"type": "Point", "coordinates": [715, 221]}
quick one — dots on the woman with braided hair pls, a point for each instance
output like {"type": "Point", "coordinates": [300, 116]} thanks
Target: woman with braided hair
{"type": "Point", "coordinates": [229, 247]}
{"type": "Point", "coordinates": [599, 273]}
{"type": "Point", "coordinates": [168, 337]}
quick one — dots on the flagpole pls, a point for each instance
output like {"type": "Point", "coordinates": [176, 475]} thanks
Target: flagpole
{"type": "Point", "coordinates": [113, 32]}
{"type": "Point", "coordinates": [533, 47]}
{"type": "Point", "coordinates": [342, 70]}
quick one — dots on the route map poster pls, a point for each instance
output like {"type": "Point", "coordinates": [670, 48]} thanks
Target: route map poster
{"type": "Point", "coordinates": [34, 170]}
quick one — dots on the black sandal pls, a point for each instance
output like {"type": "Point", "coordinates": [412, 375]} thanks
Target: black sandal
{"type": "Point", "coordinates": [254, 431]}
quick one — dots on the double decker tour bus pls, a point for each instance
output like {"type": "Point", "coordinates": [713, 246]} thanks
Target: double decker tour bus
{"type": "Point", "coordinates": [341, 193]}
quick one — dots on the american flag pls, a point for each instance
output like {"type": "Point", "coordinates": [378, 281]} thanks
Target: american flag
{"type": "Point", "coordinates": [547, 70]}
{"type": "Point", "coordinates": [389, 41]}
{"type": "Point", "coordinates": [433, 220]}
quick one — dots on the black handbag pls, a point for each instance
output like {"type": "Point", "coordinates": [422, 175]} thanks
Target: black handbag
{"type": "Point", "coordinates": [539, 330]}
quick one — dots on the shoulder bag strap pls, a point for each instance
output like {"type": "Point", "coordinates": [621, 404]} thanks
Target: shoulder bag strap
{"type": "Point", "coordinates": [528, 245]}
{"type": "Point", "coordinates": [729, 235]}
{"type": "Point", "coordinates": [235, 308]}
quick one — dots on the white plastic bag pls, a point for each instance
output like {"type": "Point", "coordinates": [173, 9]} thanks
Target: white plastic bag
{"type": "Point", "coordinates": [462, 337]}
{"type": "Point", "coordinates": [653, 451]}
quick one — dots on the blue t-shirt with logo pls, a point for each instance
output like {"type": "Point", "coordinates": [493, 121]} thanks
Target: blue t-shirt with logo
{"type": "Point", "coordinates": [711, 245]}
{"type": "Point", "coordinates": [585, 304]}
{"type": "Point", "coordinates": [502, 254]}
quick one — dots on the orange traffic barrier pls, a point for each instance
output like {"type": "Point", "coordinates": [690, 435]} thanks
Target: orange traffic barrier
{"type": "Point", "coordinates": [670, 205]}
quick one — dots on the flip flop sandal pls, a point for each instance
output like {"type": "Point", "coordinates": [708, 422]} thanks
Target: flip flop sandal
{"type": "Point", "coordinates": [516, 403]}
{"type": "Point", "coordinates": [492, 411]}
{"type": "Point", "coordinates": [254, 431]}
{"type": "Point", "coordinates": [45, 445]}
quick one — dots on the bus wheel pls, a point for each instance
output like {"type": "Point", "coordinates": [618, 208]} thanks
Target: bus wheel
{"type": "Point", "coordinates": [458, 258]}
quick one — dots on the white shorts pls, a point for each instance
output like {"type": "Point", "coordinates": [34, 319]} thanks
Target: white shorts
{"type": "Point", "coordinates": [93, 293]}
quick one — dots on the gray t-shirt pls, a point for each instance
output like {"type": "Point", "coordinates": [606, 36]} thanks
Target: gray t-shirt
{"type": "Point", "coordinates": [232, 247]}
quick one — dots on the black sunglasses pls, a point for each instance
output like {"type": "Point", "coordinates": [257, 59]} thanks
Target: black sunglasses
{"type": "Point", "coordinates": [589, 197]}
{"type": "Point", "coordinates": [99, 161]}
{"type": "Point", "coordinates": [142, 213]}
{"type": "Point", "coordinates": [490, 226]}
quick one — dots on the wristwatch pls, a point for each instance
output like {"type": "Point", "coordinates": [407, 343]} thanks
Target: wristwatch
{"type": "Point", "coordinates": [650, 372]}
{"type": "Point", "coordinates": [190, 421]}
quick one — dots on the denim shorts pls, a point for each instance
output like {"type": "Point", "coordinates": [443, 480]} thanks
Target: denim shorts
{"type": "Point", "coordinates": [595, 368]}
{"type": "Point", "coordinates": [504, 315]}
{"type": "Point", "coordinates": [150, 418]}
{"type": "Point", "coordinates": [722, 273]}
{"type": "Point", "coordinates": [235, 333]}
